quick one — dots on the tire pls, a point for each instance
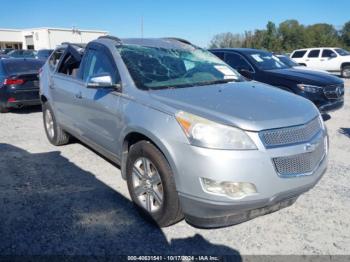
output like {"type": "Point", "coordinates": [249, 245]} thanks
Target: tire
{"type": "Point", "coordinates": [56, 135]}
{"type": "Point", "coordinates": [169, 211]}
{"type": "Point", "coordinates": [3, 109]}
{"type": "Point", "coordinates": [345, 72]}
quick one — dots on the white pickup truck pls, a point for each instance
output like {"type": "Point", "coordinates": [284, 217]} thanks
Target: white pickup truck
{"type": "Point", "coordinates": [332, 59]}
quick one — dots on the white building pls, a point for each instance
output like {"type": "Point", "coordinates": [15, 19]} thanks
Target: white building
{"type": "Point", "coordinates": [45, 38]}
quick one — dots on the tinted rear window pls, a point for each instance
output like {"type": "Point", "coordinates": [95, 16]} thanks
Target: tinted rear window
{"type": "Point", "coordinates": [21, 66]}
{"type": "Point", "coordinates": [298, 54]}
{"type": "Point", "coordinates": [314, 53]}
{"type": "Point", "coordinates": [45, 53]}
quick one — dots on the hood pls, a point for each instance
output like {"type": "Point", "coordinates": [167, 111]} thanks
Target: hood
{"type": "Point", "coordinates": [248, 105]}
{"type": "Point", "coordinates": [305, 76]}
{"type": "Point", "coordinates": [310, 69]}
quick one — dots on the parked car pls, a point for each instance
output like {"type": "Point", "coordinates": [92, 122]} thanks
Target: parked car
{"type": "Point", "coordinates": [4, 51]}
{"type": "Point", "coordinates": [191, 136]}
{"type": "Point", "coordinates": [19, 83]}
{"type": "Point", "coordinates": [293, 64]}
{"type": "Point", "coordinates": [44, 54]}
{"type": "Point", "coordinates": [332, 59]}
{"type": "Point", "coordinates": [22, 54]}
{"type": "Point", "coordinates": [324, 90]}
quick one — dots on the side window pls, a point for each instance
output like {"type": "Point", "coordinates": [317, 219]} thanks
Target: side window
{"type": "Point", "coordinates": [97, 62]}
{"type": "Point", "coordinates": [314, 53]}
{"type": "Point", "coordinates": [328, 53]}
{"type": "Point", "coordinates": [220, 55]}
{"type": "Point", "coordinates": [298, 54]}
{"type": "Point", "coordinates": [55, 58]}
{"type": "Point", "coordinates": [237, 62]}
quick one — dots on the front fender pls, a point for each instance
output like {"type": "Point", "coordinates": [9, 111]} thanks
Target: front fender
{"type": "Point", "coordinates": [159, 127]}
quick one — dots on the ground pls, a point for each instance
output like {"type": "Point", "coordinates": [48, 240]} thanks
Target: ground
{"type": "Point", "coordinates": [69, 201]}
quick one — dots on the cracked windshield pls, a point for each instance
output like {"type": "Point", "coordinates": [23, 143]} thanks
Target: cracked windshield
{"type": "Point", "coordinates": [159, 68]}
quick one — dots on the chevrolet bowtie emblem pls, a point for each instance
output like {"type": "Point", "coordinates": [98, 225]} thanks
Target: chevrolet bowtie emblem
{"type": "Point", "coordinates": [310, 147]}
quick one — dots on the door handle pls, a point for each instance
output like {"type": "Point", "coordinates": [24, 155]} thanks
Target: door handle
{"type": "Point", "coordinates": [307, 59]}
{"type": "Point", "coordinates": [321, 59]}
{"type": "Point", "coordinates": [78, 95]}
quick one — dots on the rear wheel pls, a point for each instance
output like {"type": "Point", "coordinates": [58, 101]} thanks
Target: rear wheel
{"type": "Point", "coordinates": [151, 184]}
{"type": "Point", "coordinates": [53, 131]}
{"type": "Point", "coordinates": [345, 71]}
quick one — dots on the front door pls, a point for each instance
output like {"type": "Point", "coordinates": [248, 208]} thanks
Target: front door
{"type": "Point", "coordinates": [329, 61]}
{"type": "Point", "coordinates": [100, 107]}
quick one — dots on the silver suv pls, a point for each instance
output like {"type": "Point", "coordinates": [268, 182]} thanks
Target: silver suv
{"type": "Point", "coordinates": [192, 137]}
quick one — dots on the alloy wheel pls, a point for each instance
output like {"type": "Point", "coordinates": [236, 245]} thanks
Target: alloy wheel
{"type": "Point", "coordinates": [147, 184]}
{"type": "Point", "coordinates": [49, 123]}
{"type": "Point", "coordinates": [346, 72]}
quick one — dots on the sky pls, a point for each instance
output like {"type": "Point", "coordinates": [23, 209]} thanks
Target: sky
{"type": "Point", "coordinates": [195, 20]}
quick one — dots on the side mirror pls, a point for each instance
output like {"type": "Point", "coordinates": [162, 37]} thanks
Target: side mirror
{"type": "Point", "coordinates": [245, 72]}
{"type": "Point", "coordinates": [102, 81]}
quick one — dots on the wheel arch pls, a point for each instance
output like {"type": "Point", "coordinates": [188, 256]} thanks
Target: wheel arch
{"type": "Point", "coordinates": [132, 137]}
{"type": "Point", "coordinates": [43, 99]}
{"type": "Point", "coordinates": [344, 64]}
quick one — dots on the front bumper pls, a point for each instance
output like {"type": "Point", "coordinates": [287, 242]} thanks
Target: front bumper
{"type": "Point", "coordinates": [324, 103]}
{"type": "Point", "coordinates": [206, 214]}
{"type": "Point", "coordinates": [205, 209]}
{"type": "Point", "coordinates": [331, 106]}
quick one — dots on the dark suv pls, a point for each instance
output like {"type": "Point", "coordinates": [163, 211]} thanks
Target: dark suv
{"type": "Point", "coordinates": [324, 90]}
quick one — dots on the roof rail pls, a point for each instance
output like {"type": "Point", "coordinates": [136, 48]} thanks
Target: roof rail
{"type": "Point", "coordinates": [111, 38]}
{"type": "Point", "coordinates": [179, 39]}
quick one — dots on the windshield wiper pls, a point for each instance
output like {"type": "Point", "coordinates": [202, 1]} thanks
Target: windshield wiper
{"type": "Point", "coordinates": [215, 82]}
{"type": "Point", "coordinates": [204, 83]}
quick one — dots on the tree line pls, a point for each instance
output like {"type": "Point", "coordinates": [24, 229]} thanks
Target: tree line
{"type": "Point", "coordinates": [286, 37]}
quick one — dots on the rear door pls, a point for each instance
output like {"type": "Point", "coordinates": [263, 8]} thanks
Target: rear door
{"type": "Point", "coordinates": [313, 59]}
{"type": "Point", "coordinates": [66, 88]}
{"type": "Point", "coordinates": [100, 112]}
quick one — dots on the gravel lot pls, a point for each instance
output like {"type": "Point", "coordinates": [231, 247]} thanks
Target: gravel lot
{"type": "Point", "coordinates": [70, 201]}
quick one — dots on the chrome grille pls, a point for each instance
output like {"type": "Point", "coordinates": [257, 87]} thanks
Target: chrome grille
{"type": "Point", "coordinates": [291, 135]}
{"type": "Point", "coordinates": [334, 91]}
{"type": "Point", "coordinates": [301, 164]}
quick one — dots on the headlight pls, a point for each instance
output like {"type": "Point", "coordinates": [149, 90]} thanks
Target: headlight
{"type": "Point", "coordinates": [309, 88]}
{"type": "Point", "coordinates": [205, 133]}
{"type": "Point", "coordinates": [230, 189]}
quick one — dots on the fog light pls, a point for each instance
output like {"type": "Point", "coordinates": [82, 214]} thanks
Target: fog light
{"type": "Point", "coordinates": [231, 189]}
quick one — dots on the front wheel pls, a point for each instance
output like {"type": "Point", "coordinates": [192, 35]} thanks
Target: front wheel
{"type": "Point", "coordinates": [53, 131]}
{"type": "Point", "coordinates": [345, 72]}
{"type": "Point", "coordinates": [151, 184]}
